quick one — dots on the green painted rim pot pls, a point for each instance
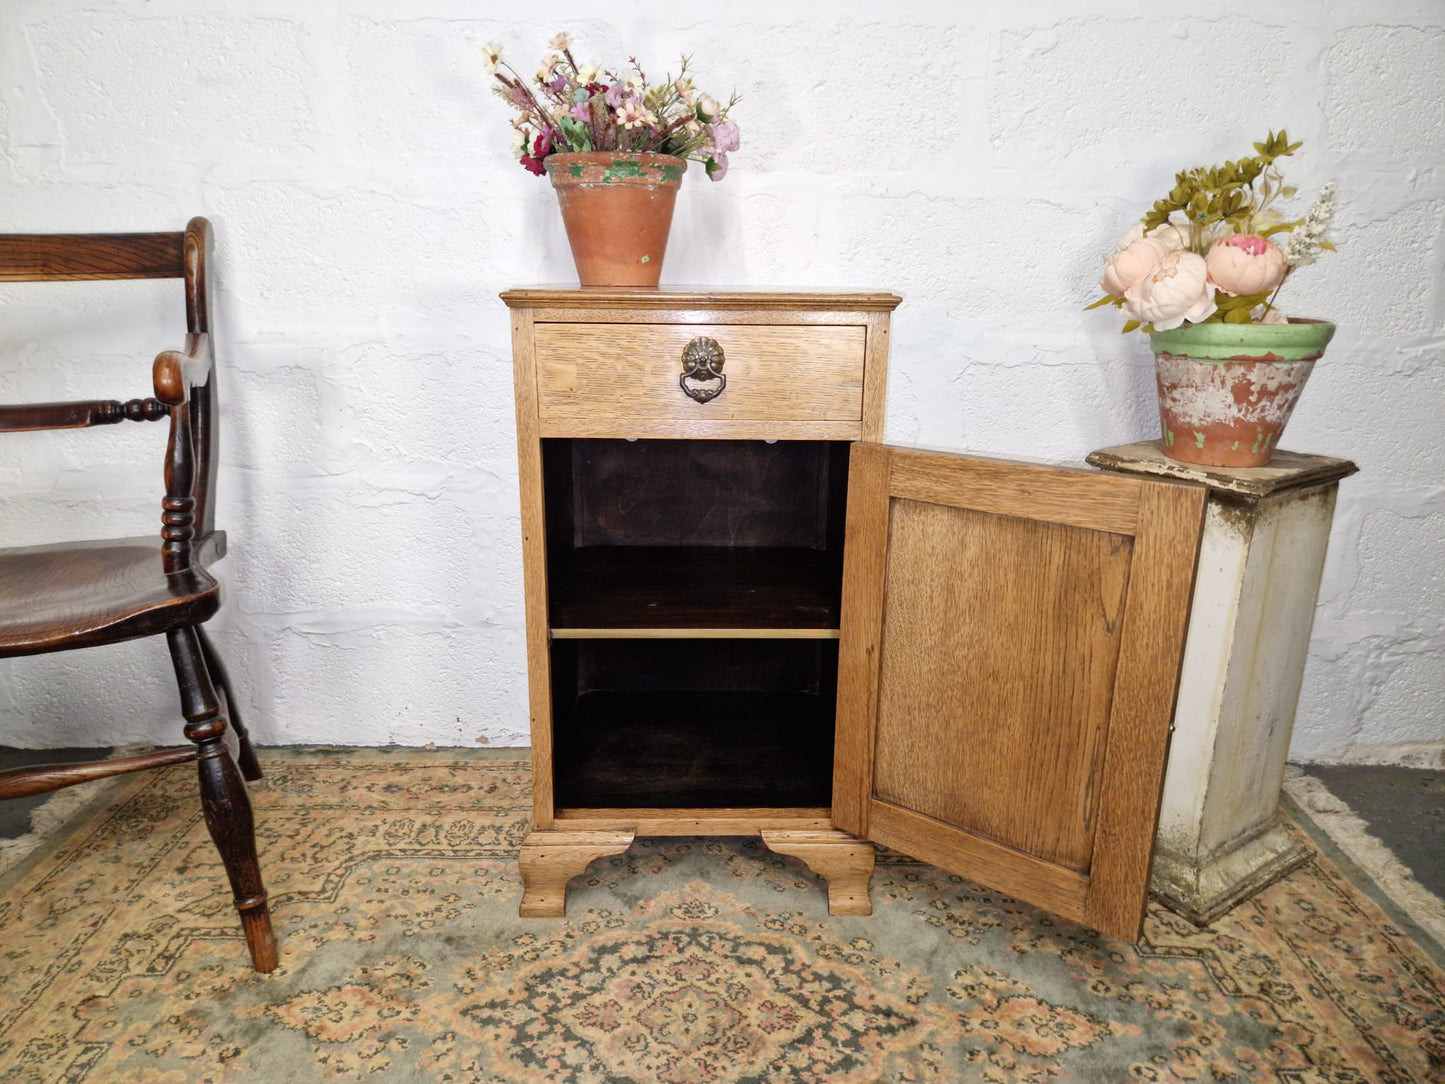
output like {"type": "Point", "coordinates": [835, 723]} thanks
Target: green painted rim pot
{"type": "Point", "coordinates": [617, 208]}
{"type": "Point", "coordinates": [1226, 391]}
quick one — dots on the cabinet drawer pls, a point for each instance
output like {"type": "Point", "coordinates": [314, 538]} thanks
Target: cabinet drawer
{"type": "Point", "coordinates": [632, 371]}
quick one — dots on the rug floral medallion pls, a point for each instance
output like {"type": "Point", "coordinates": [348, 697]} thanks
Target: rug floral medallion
{"type": "Point", "coordinates": [394, 890]}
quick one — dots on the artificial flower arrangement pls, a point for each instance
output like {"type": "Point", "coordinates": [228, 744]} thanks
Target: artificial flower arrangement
{"type": "Point", "coordinates": [569, 107]}
{"type": "Point", "coordinates": [1208, 252]}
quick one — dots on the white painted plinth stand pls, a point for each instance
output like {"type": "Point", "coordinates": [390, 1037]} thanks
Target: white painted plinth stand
{"type": "Point", "coordinates": [1265, 531]}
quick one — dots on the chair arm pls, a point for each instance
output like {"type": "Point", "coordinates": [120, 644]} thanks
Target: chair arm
{"type": "Point", "coordinates": [31, 417]}
{"type": "Point", "coordinates": [176, 372]}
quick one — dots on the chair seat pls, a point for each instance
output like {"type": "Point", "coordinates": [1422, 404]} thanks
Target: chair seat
{"type": "Point", "coordinates": [79, 594]}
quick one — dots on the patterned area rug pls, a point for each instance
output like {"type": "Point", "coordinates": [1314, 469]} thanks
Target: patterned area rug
{"type": "Point", "coordinates": [395, 893]}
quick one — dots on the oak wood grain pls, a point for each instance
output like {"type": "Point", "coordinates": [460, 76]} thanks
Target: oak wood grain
{"type": "Point", "coordinates": [632, 371]}
{"type": "Point", "coordinates": [1054, 888]}
{"type": "Point", "coordinates": [694, 821]}
{"type": "Point", "coordinates": [844, 862]}
{"type": "Point", "coordinates": [534, 567]}
{"type": "Point", "coordinates": [549, 859]}
{"type": "Point", "coordinates": [1068, 495]}
{"type": "Point", "coordinates": [1000, 648]}
{"type": "Point", "coordinates": [629, 428]}
{"type": "Point", "coordinates": [1019, 672]}
{"type": "Point", "coordinates": [875, 376]}
{"type": "Point", "coordinates": [674, 299]}
{"type": "Point", "coordinates": [865, 565]}
{"type": "Point", "coordinates": [1132, 778]}
{"type": "Point", "coordinates": [690, 632]}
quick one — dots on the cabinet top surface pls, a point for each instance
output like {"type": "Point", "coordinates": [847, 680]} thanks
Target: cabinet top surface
{"type": "Point", "coordinates": [698, 297]}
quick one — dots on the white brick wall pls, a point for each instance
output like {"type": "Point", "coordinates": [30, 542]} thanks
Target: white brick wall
{"type": "Point", "coordinates": [367, 216]}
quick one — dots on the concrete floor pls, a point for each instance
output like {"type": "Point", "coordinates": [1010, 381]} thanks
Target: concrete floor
{"type": "Point", "coordinates": [1404, 807]}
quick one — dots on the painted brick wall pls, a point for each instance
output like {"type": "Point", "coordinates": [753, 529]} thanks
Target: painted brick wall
{"type": "Point", "coordinates": [367, 216]}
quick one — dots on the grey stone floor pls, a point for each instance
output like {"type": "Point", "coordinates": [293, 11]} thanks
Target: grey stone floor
{"type": "Point", "coordinates": [1404, 807]}
{"type": "Point", "coordinates": [15, 814]}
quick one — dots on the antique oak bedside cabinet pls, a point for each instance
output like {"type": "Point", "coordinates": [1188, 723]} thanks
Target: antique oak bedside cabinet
{"type": "Point", "coordinates": [746, 616]}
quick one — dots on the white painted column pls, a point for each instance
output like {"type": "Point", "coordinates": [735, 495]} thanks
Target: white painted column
{"type": "Point", "coordinates": [1260, 561]}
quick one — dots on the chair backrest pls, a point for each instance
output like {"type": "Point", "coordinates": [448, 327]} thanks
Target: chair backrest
{"type": "Point", "coordinates": [184, 379]}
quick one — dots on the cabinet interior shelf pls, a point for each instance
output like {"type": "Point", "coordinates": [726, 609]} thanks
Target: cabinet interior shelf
{"type": "Point", "coordinates": [695, 591]}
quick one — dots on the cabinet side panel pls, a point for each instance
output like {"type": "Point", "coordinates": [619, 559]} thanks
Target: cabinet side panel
{"type": "Point", "coordinates": [1001, 640]}
{"type": "Point", "coordinates": [875, 376]}
{"type": "Point", "coordinates": [534, 565]}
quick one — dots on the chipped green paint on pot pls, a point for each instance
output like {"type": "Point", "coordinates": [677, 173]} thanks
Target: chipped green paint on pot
{"type": "Point", "coordinates": [617, 208]}
{"type": "Point", "coordinates": [1226, 391]}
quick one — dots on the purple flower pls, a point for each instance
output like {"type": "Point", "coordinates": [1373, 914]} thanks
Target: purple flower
{"type": "Point", "coordinates": [558, 84]}
{"type": "Point", "coordinates": [616, 95]}
{"type": "Point", "coordinates": [717, 166]}
{"type": "Point", "coordinates": [581, 112]}
{"type": "Point", "coordinates": [724, 136]}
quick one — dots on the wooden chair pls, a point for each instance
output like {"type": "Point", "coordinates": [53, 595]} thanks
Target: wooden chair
{"type": "Point", "coordinates": [82, 594]}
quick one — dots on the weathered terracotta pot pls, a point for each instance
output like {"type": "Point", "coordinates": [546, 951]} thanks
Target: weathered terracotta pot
{"type": "Point", "coordinates": [1227, 390]}
{"type": "Point", "coordinates": [617, 207]}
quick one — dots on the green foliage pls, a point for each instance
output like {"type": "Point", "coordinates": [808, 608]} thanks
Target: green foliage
{"type": "Point", "coordinates": [578, 137]}
{"type": "Point", "coordinates": [1235, 310]}
{"type": "Point", "coordinates": [1236, 193]}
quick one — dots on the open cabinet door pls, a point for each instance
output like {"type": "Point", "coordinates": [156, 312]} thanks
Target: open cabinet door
{"type": "Point", "coordinates": [1011, 639]}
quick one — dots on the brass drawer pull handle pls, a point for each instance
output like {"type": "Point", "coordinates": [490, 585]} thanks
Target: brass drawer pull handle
{"type": "Point", "coordinates": [702, 362]}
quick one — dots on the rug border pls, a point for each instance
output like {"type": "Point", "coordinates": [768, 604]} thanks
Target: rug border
{"type": "Point", "coordinates": [114, 792]}
{"type": "Point", "coordinates": [1361, 880]}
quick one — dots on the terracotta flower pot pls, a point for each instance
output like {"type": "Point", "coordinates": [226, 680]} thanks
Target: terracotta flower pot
{"type": "Point", "coordinates": [1227, 390]}
{"type": "Point", "coordinates": [617, 207]}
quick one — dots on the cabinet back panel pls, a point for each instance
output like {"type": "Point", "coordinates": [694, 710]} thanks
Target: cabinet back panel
{"type": "Point", "coordinates": [696, 666]}
{"type": "Point", "coordinates": [700, 723]}
{"type": "Point", "coordinates": [696, 493]}
{"type": "Point", "coordinates": [1027, 616]}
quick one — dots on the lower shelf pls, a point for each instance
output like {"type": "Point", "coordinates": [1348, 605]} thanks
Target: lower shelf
{"type": "Point", "coordinates": [700, 750]}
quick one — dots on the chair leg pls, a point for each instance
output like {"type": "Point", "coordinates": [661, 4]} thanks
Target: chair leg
{"type": "Point", "coordinates": [223, 794]}
{"type": "Point", "coordinates": [246, 755]}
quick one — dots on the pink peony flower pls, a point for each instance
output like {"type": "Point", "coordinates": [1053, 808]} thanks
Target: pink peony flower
{"type": "Point", "coordinates": [1176, 237]}
{"type": "Point", "coordinates": [1176, 290]}
{"type": "Point", "coordinates": [1133, 260]}
{"type": "Point", "coordinates": [1245, 263]}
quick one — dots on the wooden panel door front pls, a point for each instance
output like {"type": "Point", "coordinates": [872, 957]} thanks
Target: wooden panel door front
{"type": "Point", "coordinates": [1011, 640]}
